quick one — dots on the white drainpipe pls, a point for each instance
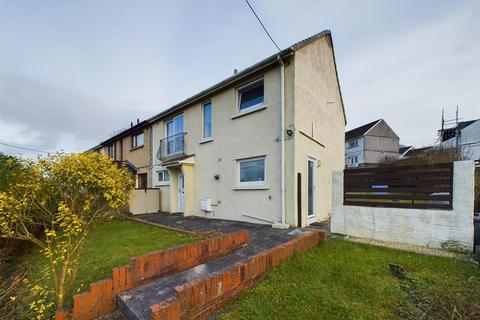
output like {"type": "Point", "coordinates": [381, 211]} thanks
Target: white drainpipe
{"type": "Point", "coordinates": [282, 138]}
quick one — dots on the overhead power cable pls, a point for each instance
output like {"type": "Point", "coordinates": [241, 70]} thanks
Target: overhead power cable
{"type": "Point", "coordinates": [263, 26]}
{"type": "Point", "coordinates": [23, 148]}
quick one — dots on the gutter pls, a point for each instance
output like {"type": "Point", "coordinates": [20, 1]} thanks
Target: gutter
{"type": "Point", "coordinates": [224, 84]}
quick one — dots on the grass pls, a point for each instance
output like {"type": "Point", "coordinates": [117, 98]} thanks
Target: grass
{"type": "Point", "coordinates": [346, 280]}
{"type": "Point", "coordinates": [109, 245]}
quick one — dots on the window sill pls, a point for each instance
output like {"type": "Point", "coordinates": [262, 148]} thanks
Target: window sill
{"type": "Point", "coordinates": [206, 140]}
{"type": "Point", "coordinates": [264, 187]}
{"type": "Point", "coordinates": [162, 185]}
{"type": "Point", "coordinates": [244, 113]}
{"type": "Point", "coordinates": [136, 148]}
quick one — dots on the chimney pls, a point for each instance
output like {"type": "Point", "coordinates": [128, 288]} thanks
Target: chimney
{"type": "Point", "coordinates": [138, 121]}
{"type": "Point", "coordinates": [131, 124]}
{"type": "Point", "coordinates": [235, 71]}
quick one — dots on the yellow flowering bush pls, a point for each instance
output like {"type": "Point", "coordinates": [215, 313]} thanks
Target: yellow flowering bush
{"type": "Point", "coordinates": [54, 203]}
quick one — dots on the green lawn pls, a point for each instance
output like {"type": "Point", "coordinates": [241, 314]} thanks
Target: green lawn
{"type": "Point", "coordinates": [112, 244]}
{"type": "Point", "coordinates": [346, 280]}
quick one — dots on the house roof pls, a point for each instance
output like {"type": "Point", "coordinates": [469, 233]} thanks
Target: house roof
{"type": "Point", "coordinates": [360, 131]}
{"type": "Point", "coordinates": [463, 124]}
{"type": "Point", "coordinates": [452, 132]}
{"type": "Point", "coordinates": [404, 149]}
{"type": "Point", "coordinates": [122, 134]}
{"type": "Point", "coordinates": [262, 65]}
{"type": "Point", "coordinates": [265, 63]}
{"type": "Point", "coordinates": [418, 151]}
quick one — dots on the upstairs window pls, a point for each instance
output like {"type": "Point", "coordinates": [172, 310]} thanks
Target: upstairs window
{"type": "Point", "coordinates": [252, 171]}
{"type": "Point", "coordinates": [207, 120]}
{"type": "Point", "coordinates": [137, 140]}
{"type": "Point", "coordinates": [251, 96]}
{"type": "Point", "coordinates": [353, 143]}
{"type": "Point", "coordinates": [111, 150]}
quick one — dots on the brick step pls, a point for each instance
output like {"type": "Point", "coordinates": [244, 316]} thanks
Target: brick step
{"type": "Point", "coordinates": [135, 304]}
{"type": "Point", "coordinates": [198, 292]}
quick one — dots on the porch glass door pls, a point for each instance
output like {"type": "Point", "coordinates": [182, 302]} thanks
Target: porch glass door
{"type": "Point", "coordinates": [175, 135]}
{"type": "Point", "coordinates": [181, 192]}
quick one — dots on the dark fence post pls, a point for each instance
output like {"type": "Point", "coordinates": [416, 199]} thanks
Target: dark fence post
{"type": "Point", "coordinates": [299, 199]}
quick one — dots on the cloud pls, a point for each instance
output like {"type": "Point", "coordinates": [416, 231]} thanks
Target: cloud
{"type": "Point", "coordinates": [51, 117]}
{"type": "Point", "coordinates": [408, 78]}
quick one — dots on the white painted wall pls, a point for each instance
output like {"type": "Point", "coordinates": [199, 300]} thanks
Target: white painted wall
{"type": "Point", "coordinates": [355, 151]}
{"type": "Point", "coordinates": [411, 226]}
{"type": "Point", "coordinates": [252, 135]}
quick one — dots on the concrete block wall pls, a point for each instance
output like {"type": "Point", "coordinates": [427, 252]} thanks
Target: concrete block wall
{"type": "Point", "coordinates": [101, 299]}
{"type": "Point", "coordinates": [201, 297]}
{"type": "Point", "coordinates": [425, 227]}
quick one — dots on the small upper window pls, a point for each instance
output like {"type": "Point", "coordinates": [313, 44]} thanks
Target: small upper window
{"type": "Point", "coordinates": [111, 150]}
{"type": "Point", "coordinates": [353, 144]}
{"type": "Point", "coordinates": [207, 120]}
{"type": "Point", "coordinates": [137, 140]}
{"type": "Point", "coordinates": [252, 171]}
{"type": "Point", "coordinates": [163, 176]}
{"type": "Point", "coordinates": [251, 96]}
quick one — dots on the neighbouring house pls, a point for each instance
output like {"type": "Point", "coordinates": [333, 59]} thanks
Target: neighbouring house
{"type": "Point", "coordinates": [371, 144]}
{"type": "Point", "coordinates": [413, 152]}
{"type": "Point", "coordinates": [465, 135]}
{"type": "Point", "coordinates": [259, 146]}
{"type": "Point", "coordinates": [132, 146]}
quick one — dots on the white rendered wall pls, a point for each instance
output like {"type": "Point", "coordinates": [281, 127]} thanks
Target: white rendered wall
{"type": "Point", "coordinates": [426, 227]}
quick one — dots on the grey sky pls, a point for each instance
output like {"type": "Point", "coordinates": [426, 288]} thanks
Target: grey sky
{"type": "Point", "coordinates": [72, 72]}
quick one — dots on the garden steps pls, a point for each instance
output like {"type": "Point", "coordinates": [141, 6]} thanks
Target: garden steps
{"type": "Point", "coordinates": [211, 284]}
{"type": "Point", "coordinates": [135, 304]}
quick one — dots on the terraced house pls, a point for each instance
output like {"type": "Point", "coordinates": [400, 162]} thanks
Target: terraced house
{"type": "Point", "coordinates": [132, 146]}
{"type": "Point", "coordinates": [259, 146]}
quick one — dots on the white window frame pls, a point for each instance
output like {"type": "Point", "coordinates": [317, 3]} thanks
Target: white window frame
{"type": "Point", "coordinates": [211, 120]}
{"type": "Point", "coordinates": [254, 107]}
{"type": "Point", "coordinates": [353, 144]}
{"type": "Point", "coordinates": [252, 183]}
{"type": "Point", "coordinates": [173, 120]}
{"type": "Point", "coordinates": [165, 129]}
{"type": "Point", "coordinates": [350, 160]}
{"type": "Point", "coordinates": [163, 182]}
{"type": "Point", "coordinates": [135, 142]}
{"type": "Point", "coordinates": [314, 161]}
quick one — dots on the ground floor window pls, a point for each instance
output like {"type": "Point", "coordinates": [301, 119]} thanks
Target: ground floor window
{"type": "Point", "coordinates": [352, 160]}
{"type": "Point", "coordinates": [142, 181]}
{"type": "Point", "coordinates": [252, 171]}
{"type": "Point", "coordinates": [163, 177]}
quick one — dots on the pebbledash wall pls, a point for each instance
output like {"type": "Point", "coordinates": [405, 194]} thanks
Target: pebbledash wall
{"type": "Point", "coordinates": [425, 227]}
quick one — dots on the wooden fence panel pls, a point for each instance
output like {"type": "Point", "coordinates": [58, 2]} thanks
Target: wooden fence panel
{"type": "Point", "coordinates": [422, 186]}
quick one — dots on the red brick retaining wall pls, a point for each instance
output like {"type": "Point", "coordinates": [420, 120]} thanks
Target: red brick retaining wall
{"type": "Point", "coordinates": [199, 298]}
{"type": "Point", "coordinates": [101, 299]}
